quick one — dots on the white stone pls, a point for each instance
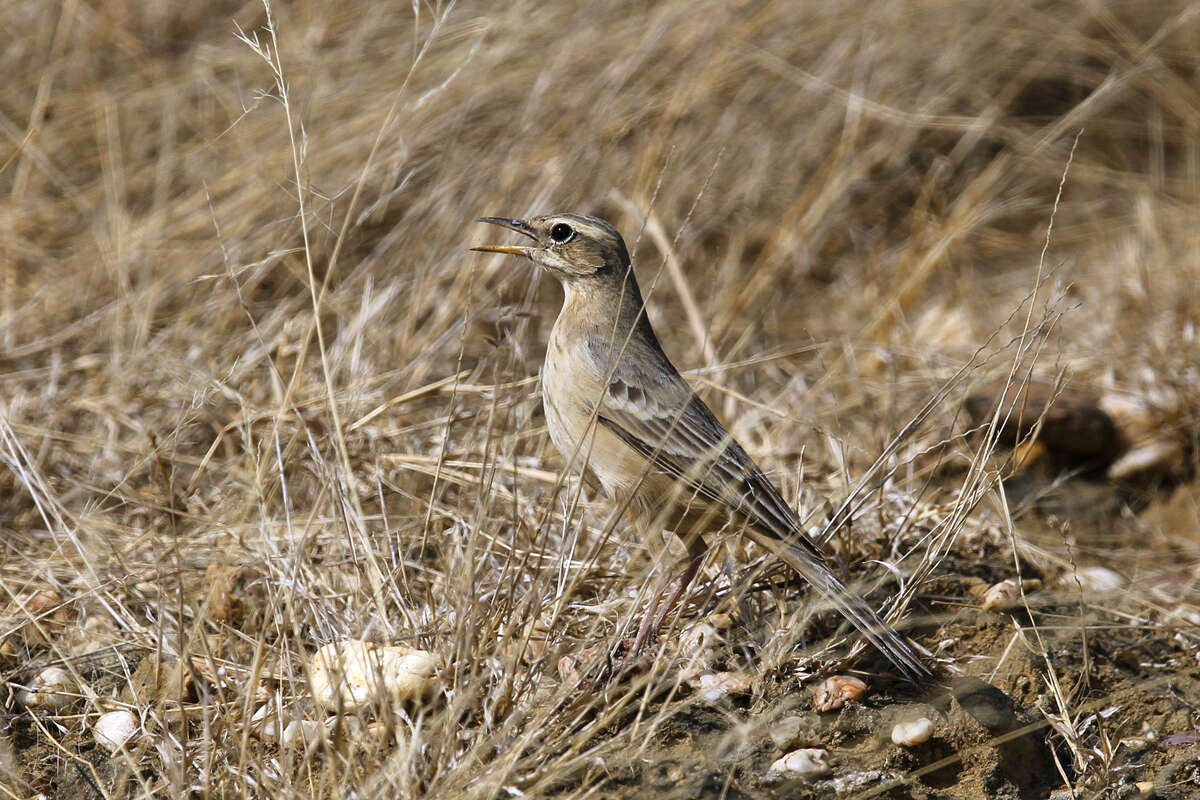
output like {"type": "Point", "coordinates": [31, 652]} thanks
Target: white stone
{"type": "Point", "coordinates": [1095, 579]}
{"type": "Point", "coordinates": [267, 721]}
{"type": "Point", "coordinates": [53, 688]}
{"type": "Point", "coordinates": [1153, 456]}
{"type": "Point", "coordinates": [807, 763]}
{"type": "Point", "coordinates": [785, 732]}
{"type": "Point", "coordinates": [352, 675]}
{"type": "Point", "coordinates": [1007, 593]}
{"type": "Point", "coordinates": [348, 727]}
{"type": "Point", "coordinates": [713, 687]}
{"type": "Point", "coordinates": [912, 733]}
{"type": "Point", "coordinates": [112, 730]}
{"type": "Point", "coordinates": [300, 733]}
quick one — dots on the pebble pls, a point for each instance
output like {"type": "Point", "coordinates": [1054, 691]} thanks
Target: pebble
{"type": "Point", "coordinates": [912, 733]}
{"type": "Point", "coordinates": [791, 732]}
{"type": "Point", "coordinates": [713, 687]}
{"type": "Point", "coordinates": [112, 730]}
{"type": "Point", "coordinates": [1066, 794]}
{"type": "Point", "coordinates": [1156, 456]}
{"type": "Point", "coordinates": [833, 692]}
{"type": "Point", "coordinates": [53, 688]}
{"type": "Point", "coordinates": [784, 732]}
{"type": "Point", "coordinates": [1094, 579]}
{"type": "Point", "coordinates": [807, 763]}
{"type": "Point", "coordinates": [351, 675]}
{"type": "Point", "coordinates": [266, 721]}
{"type": "Point", "coordinates": [1007, 593]}
{"type": "Point", "coordinates": [300, 733]}
{"type": "Point", "coordinates": [31, 617]}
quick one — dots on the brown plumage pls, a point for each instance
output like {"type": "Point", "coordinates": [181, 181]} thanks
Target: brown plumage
{"type": "Point", "coordinates": [615, 403]}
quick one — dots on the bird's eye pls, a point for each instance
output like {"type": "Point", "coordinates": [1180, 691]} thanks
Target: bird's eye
{"type": "Point", "coordinates": [562, 233]}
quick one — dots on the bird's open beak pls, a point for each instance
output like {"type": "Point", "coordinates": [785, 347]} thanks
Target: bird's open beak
{"type": "Point", "coordinates": [518, 225]}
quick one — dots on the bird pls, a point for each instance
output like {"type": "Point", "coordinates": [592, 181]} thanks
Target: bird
{"type": "Point", "coordinates": [615, 404]}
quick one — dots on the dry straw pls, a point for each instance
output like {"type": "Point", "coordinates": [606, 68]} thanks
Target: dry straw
{"type": "Point", "coordinates": [256, 396]}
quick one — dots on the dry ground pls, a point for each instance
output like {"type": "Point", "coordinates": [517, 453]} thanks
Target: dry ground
{"type": "Point", "coordinates": [256, 396]}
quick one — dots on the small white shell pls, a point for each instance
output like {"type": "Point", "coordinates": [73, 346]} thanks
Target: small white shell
{"type": "Point", "coordinates": [352, 675]}
{"type": "Point", "coordinates": [112, 730]}
{"type": "Point", "coordinates": [807, 763]}
{"type": "Point", "coordinates": [913, 732]}
{"type": "Point", "coordinates": [53, 688]}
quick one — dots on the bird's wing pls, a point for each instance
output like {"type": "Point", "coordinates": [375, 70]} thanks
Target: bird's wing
{"type": "Point", "coordinates": [659, 416]}
{"type": "Point", "coordinates": [651, 408]}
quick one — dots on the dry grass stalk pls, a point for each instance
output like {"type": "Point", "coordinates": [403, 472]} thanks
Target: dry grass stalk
{"type": "Point", "coordinates": [241, 340]}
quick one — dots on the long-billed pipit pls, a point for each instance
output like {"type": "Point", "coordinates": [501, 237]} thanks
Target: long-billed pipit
{"type": "Point", "coordinates": [615, 403]}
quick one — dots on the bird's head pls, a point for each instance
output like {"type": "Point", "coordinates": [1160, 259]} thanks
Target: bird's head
{"type": "Point", "coordinates": [572, 247]}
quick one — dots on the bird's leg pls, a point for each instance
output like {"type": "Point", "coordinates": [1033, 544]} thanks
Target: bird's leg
{"type": "Point", "coordinates": [653, 620]}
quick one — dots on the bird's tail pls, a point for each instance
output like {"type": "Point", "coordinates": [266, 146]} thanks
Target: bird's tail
{"type": "Point", "coordinates": [896, 648]}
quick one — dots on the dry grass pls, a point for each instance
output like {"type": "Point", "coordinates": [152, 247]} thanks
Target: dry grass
{"type": "Point", "coordinates": [243, 345]}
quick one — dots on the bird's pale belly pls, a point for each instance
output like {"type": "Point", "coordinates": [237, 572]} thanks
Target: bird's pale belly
{"type": "Point", "coordinates": [657, 498]}
{"type": "Point", "coordinates": [583, 441]}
